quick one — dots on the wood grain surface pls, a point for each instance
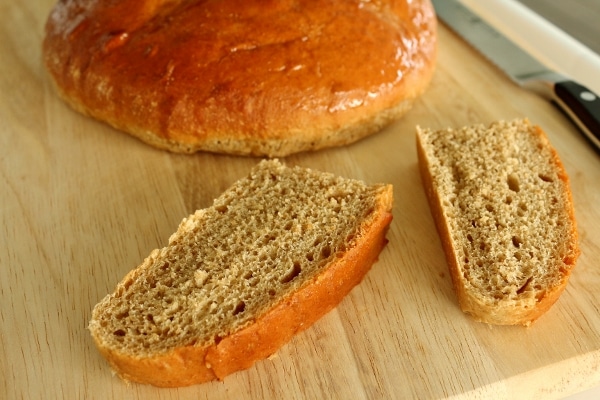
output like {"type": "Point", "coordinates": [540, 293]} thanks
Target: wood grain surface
{"type": "Point", "coordinates": [81, 204]}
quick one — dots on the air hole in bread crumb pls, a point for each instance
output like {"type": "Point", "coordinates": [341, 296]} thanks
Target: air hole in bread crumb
{"type": "Point", "coordinates": [168, 282]}
{"type": "Point", "coordinates": [239, 308]}
{"type": "Point", "coordinates": [292, 273]}
{"type": "Point", "coordinates": [513, 183]}
{"type": "Point", "coordinates": [470, 238]}
{"type": "Point", "coordinates": [545, 178]}
{"type": "Point", "coordinates": [516, 242]}
{"type": "Point", "coordinates": [122, 315]}
{"type": "Point", "coordinates": [326, 252]}
{"type": "Point", "coordinates": [268, 238]}
{"type": "Point", "coordinates": [508, 200]}
{"type": "Point", "coordinates": [119, 332]}
{"type": "Point", "coordinates": [524, 287]}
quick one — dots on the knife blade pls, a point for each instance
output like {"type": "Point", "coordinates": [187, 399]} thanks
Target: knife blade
{"type": "Point", "coordinates": [581, 104]}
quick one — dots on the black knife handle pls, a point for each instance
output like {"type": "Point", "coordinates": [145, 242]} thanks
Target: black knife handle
{"type": "Point", "coordinates": [582, 105]}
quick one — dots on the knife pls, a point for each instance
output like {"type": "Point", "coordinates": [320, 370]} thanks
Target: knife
{"type": "Point", "coordinates": [581, 104]}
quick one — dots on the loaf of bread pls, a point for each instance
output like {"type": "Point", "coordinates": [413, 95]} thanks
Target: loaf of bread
{"type": "Point", "coordinates": [247, 77]}
{"type": "Point", "coordinates": [274, 253]}
{"type": "Point", "coordinates": [501, 201]}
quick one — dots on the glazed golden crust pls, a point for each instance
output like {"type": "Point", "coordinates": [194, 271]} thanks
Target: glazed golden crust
{"type": "Point", "coordinates": [190, 365]}
{"type": "Point", "coordinates": [269, 78]}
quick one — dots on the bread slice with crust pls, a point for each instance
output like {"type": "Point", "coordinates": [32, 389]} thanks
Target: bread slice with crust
{"type": "Point", "coordinates": [501, 201]}
{"type": "Point", "coordinates": [275, 252]}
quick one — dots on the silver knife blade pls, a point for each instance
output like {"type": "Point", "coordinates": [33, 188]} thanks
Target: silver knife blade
{"type": "Point", "coordinates": [581, 104]}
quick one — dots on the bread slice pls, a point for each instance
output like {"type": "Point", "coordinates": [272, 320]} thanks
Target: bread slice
{"type": "Point", "coordinates": [274, 253]}
{"type": "Point", "coordinates": [501, 201]}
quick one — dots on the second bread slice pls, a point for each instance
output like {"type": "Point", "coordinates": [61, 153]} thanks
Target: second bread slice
{"type": "Point", "coordinates": [501, 201]}
{"type": "Point", "coordinates": [275, 252]}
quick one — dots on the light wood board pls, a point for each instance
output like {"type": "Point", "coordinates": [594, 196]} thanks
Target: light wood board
{"type": "Point", "coordinates": [81, 204]}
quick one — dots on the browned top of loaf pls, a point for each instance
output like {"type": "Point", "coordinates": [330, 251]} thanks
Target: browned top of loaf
{"type": "Point", "coordinates": [242, 76]}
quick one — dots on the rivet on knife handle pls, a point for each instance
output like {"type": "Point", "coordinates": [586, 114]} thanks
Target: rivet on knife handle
{"type": "Point", "coordinates": [583, 107]}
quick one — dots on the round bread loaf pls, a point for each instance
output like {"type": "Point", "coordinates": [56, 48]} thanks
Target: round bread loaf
{"type": "Point", "coordinates": [247, 77]}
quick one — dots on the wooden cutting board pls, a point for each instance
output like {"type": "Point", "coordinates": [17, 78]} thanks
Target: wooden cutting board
{"type": "Point", "coordinates": [81, 204]}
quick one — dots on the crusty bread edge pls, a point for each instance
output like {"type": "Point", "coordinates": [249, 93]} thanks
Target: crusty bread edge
{"type": "Point", "coordinates": [503, 314]}
{"type": "Point", "coordinates": [190, 365]}
{"type": "Point", "coordinates": [283, 144]}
